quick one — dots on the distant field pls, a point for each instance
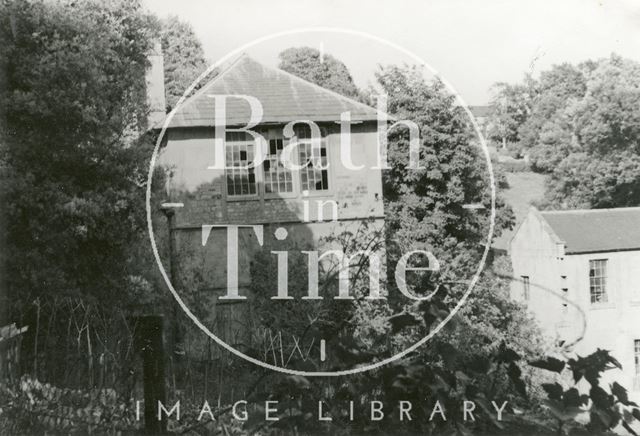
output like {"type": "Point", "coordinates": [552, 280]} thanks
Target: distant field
{"type": "Point", "coordinates": [524, 188]}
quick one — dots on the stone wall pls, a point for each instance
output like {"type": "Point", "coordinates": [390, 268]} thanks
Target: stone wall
{"type": "Point", "coordinates": [189, 151]}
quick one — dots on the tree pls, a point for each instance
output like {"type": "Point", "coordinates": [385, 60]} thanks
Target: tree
{"type": "Point", "coordinates": [551, 94]}
{"type": "Point", "coordinates": [583, 129]}
{"type": "Point", "coordinates": [509, 110]}
{"type": "Point", "coordinates": [75, 108]}
{"type": "Point", "coordinates": [424, 209]}
{"type": "Point", "coordinates": [607, 118]}
{"type": "Point", "coordinates": [323, 70]}
{"type": "Point", "coordinates": [601, 139]}
{"type": "Point", "coordinates": [475, 356]}
{"type": "Point", "coordinates": [183, 58]}
{"type": "Point", "coordinates": [426, 205]}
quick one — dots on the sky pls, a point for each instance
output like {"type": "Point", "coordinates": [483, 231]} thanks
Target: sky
{"type": "Point", "coordinates": [472, 44]}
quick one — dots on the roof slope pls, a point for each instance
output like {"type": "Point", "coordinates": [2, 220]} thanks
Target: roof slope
{"type": "Point", "coordinates": [596, 230]}
{"type": "Point", "coordinates": [284, 97]}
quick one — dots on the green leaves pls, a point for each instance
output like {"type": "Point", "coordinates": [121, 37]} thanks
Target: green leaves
{"type": "Point", "coordinates": [549, 363]}
{"type": "Point", "coordinates": [506, 354]}
{"type": "Point", "coordinates": [592, 365]}
{"type": "Point", "coordinates": [75, 105]}
{"type": "Point", "coordinates": [183, 58]}
{"type": "Point", "coordinates": [553, 390]}
{"type": "Point", "coordinates": [36, 407]}
{"type": "Point", "coordinates": [509, 110]}
{"type": "Point", "coordinates": [515, 375]}
{"type": "Point", "coordinates": [402, 320]}
{"type": "Point", "coordinates": [323, 70]}
{"type": "Point", "coordinates": [603, 407]}
{"type": "Point", "coordinates": [580, 124]}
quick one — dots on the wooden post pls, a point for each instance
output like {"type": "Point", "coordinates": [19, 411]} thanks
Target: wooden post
{"type": "Point", "coordinates": [150, 344]}
{"type": "Point", "coordinates": [174, 281]}
{"type": "Point", "coordinates": [168, 209]}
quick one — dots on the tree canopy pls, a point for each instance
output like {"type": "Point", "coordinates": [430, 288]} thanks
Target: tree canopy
{"type": "Point", "coordinates": [583, 129]}
{"type": "Point", "coordinates": [427, 205]}
{"type": "Point", "coordinates": [424, 209]}
{"type": "Point", "coordinates": [183, 57]}
{"type": "Point", "coordinates": [74, 105]}
{"type": "Point", "coordinates": [322, 69]}
{"type": "Point", "coordinates": [510, 108]}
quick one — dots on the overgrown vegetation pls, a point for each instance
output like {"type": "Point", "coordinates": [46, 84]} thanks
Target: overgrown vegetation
{"type": "Point", "coordinates": [579, 124]}
{"type": "Point", "coordinates": [74, 157]}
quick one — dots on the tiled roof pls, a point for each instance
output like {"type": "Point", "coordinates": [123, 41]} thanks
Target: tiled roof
{"type": "Point", "coordinates": [596, 230]}
{"type": "Point", "coordinates": [284, 97]}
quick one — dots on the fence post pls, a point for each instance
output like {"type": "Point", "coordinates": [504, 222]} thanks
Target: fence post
{"type": "Point", "coordinates": [150, 344]}
{"type": "Point", "coordinates": [10, 340]}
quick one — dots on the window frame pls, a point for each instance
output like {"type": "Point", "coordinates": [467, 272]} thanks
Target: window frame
{"type": "Point", "coordinates": [276, 133]}
{"type": "Point", "coordinates": [603, 285]}
{"type": "Point", "coordinates": [241, 197]}
{"type": "Point", "coordinates": [324, 135]}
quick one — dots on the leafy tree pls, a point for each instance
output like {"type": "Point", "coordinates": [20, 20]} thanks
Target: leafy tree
{"type": "Point", "coordinates": [183, 57]}
{"type": "Point", "coordinates": [475, 356]}
{"type": "Point", "coordinates": [585, 181]}
{"type": "Point", "coordinates": [583, 129]}
{"type": "Point", "coordinates": [426, 206]}
{"type": "Point", "coordinates": [325, 70]}
{"type": "Point", "coordinates": [74, 108]}
{"type": "Point", "coordinates": [551, 94]}
{"type": "Point", "coordinates": [509, 110]}
{"type": "Point", "coordinates": [601, 139]}
{"type": "Point", "coordinates": [532, 116]}
{"type": "Point", "coordinates": [607, 118]}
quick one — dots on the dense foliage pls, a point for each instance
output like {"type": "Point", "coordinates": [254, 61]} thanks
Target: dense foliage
{"type": "Point", "coordinates": [580, 125]}
{"type": "Point", "coordinates": [75, 107]}
{"type": "Point", "coordinates": [510, 108]}
{"type": "Point", "coordinates": [183, 58]}
{"type": "Point", "coordinates": [74, 157]}
{"type": "Point", "coordinates": [74, 160]}
{"type": "Point", "coordinates": [474, 357]}
{"type": "Point", "coordinates": [322, 69]}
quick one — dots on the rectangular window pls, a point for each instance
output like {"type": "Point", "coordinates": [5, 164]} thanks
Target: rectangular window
{"type": "Point", "coordinates": [239, 153]}
{"type": "Point", "coordinates": [598, 281]}
{"type": "Point", "coordinates": [312, 177]}
{"type": "Point", "coordinates": [277, 179]}
{"type": "Point", "coordinates": [526, 289]}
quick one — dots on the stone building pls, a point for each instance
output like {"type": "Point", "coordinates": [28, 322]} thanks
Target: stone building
{"type": "Point", "coordinates": [578, 271]}
{"type": "Point", "coordinates": [270, 194]}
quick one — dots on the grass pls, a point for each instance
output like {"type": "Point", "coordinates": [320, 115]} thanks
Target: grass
{"type": "Point", "coordinates": [525, 187]}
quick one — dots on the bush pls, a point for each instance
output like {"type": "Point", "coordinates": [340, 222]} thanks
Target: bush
{"type": "Point", "coordinates": [32, 407]}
